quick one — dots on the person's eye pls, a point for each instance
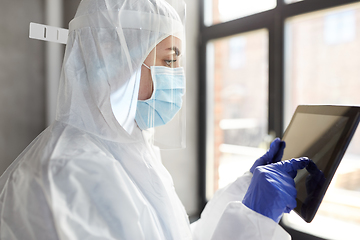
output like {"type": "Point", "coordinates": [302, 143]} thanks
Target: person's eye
{"type": "Point", "coordinates": [170, 63]}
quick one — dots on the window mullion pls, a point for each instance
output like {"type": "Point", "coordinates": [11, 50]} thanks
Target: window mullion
{"type": "Point", "coordinates": [276, 76]}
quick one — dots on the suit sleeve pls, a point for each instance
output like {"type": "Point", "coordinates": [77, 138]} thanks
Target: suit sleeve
{"type": "Point", "coordinates": [225, 217]}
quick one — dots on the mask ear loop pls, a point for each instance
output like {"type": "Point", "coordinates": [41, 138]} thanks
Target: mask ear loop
{"type": "Point", "coordinates": [146, 66]}
{"type": "Point", "coordinates": [152, 83]}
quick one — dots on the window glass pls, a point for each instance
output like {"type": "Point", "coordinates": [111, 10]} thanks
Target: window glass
{"type": "Point", "coordinates": [238, 105]}
{"type": "Point", "coordinates": [218, 11]}
{"type": "Point", "coordinates": [323, 67]}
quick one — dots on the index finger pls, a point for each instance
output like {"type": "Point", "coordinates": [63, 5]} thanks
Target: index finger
{"type": "Point", "coordinates": [291, 166]}
{"type": "Point", "coordinates": [299, 163]}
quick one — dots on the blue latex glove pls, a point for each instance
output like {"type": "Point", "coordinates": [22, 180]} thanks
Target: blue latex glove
{"type": "Point", "coordinates": [273, 155]}
{"type": "Point", "coordinates": [272, 189]}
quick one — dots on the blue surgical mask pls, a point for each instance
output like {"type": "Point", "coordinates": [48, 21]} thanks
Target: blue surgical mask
{"type": "Point", "coordinates": [166, 100]}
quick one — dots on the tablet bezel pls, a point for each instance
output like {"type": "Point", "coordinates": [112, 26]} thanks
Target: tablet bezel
{"type": "Point", "coordinates": [352, 112]}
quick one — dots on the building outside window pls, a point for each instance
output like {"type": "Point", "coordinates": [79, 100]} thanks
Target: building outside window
{"type": "Point", "coordinates": [260, 64]}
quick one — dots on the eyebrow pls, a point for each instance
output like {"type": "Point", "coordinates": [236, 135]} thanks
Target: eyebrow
{"type": "Point", "coordinates": [176, 50]}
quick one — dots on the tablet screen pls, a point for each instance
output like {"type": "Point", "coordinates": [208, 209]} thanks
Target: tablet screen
{"type": "Point", "coordinates": [323, 138]}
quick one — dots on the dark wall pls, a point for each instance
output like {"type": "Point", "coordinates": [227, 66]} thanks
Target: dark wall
{"type": "Point", "coordinates": [70, 7]}
{"type": "Point", "coordinates": [22, 78]}
{"type": "Point", "coordinates": [23, 75]}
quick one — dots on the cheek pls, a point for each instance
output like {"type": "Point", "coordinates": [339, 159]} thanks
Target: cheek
{"type": "Point", "coordinates": [146, 86]}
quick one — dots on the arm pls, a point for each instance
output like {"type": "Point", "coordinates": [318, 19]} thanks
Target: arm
{"type": "Point", "coordinates": [225, 210]}
{"type": "Point", "coordinates": [214, 209]}
{"type": "Point", "coordinates": [226, 217]}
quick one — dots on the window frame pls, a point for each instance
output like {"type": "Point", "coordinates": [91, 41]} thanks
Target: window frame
{"type": "Point", "coordinates": [274, 21]}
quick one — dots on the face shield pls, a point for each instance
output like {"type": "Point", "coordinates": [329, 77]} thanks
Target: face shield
{"type": "Point", "coordinates": [124, 70]}
{"type": "Point", "coordinates": [161, 107]}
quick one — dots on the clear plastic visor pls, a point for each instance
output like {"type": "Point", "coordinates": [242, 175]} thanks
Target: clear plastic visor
{"type": "Point", "coordinates": [161, 108]}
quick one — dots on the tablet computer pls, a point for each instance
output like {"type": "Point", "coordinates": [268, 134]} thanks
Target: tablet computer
{"type": "Point", "coordinates": [321, 133]}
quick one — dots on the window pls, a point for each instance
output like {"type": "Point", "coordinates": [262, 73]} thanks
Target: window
{"type": "Point", "coordinates": [322, 67]}
{"type": "Point", "coordinates": [256, 66]}
{"type": "Point", "coordinates": [239, 67]}
{"type": "Point", "coordinates": [218, 11]}
{"type": "Point", "coordinates": [339, 26]}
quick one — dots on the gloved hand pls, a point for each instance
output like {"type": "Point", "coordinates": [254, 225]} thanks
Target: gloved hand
{"type": "Point", "coordinates": [273, 155]}
{"type": "Point", "coordinates": [272, 189]}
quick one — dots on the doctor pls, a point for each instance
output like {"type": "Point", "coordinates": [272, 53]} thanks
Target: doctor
{"type": "Point", "coordinates": [95, 174]}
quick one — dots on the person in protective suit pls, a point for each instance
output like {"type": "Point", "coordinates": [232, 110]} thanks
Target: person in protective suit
{"type": "Point", "coordinates": [95, 173]}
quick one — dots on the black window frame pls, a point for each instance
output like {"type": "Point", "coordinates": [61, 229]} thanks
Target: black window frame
{"type": "Point", "coordinates": [274, 21]}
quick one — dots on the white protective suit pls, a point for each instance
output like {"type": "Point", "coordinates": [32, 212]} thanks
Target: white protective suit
{"type": "Point", "coordinates": [92, 174]}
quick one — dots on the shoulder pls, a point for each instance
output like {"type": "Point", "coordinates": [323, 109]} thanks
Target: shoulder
{"type": "Point", "coordinates": [64, 153]}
